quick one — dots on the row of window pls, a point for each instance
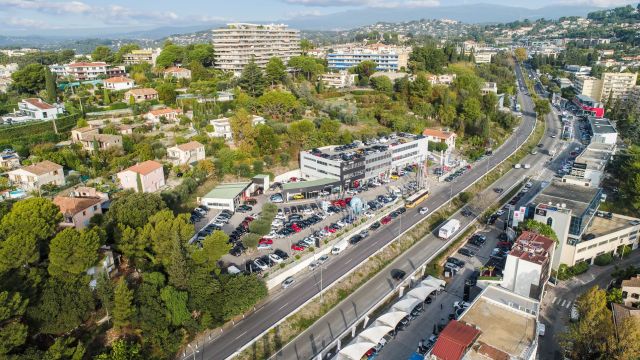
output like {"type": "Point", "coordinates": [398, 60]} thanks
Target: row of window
{"type": "Point", "coordinates": [407, 147]}
{"type": "Point", "coordinates": [413, 153]}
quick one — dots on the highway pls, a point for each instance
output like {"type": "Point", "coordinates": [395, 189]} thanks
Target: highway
{"type": "Point", "coordinates": [339, 318]}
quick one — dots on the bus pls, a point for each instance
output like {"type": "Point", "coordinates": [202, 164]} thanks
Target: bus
{"type": "Point", "coordinates": [415, 199]}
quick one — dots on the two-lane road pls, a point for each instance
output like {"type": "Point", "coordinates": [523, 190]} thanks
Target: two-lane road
{"type": "Point", "coordinates": [279, 306]}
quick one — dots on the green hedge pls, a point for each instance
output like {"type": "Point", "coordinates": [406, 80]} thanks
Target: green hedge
{"type": "Point", "coordinates": [36, 129]}
{"type": "Point", "coordinates": [604, 259]}
{"type": "Point", "coordinates": [567, 272]}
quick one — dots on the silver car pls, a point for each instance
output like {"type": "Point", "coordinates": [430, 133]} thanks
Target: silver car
{"type": "Point", "coordinates": [288, 282]}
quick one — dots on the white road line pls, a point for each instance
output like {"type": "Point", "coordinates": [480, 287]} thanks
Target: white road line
{"type": "Point", "coordinates": [241, 335]}
{"type": "Point", "coordinates": [563, 302]}
{"type": "Point", "coordinates": [568, 305]}
{"type": "Point", "coordinates": [281, 307]}
{"type": "Point", "coordinates": [554, 299]}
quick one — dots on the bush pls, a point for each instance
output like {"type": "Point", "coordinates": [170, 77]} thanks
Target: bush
{"type": "Point", "coordinates": [566, 272]}
{"type": "Point", "coordinates": [464, 197]}
{"type": "Point", "coordinates": [604, 259]}
{"type": "Point", "coordinates": [260, 227]}
{"type": "Point", "coordinates": [251, 240]}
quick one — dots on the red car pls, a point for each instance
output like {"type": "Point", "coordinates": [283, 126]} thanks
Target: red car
{"type": "Point", "coordinates": [330, 229]}
{"type": "Point", "coordinates": [370, 352]}
{"type": "Point", "coordinates": [265, 241]}
{"type": "Point", "coordinates": [295, 247]}
{"type": "Point", "coordinates": [385, 220]}
{"type": "Point", "coordinates": [295, 228]}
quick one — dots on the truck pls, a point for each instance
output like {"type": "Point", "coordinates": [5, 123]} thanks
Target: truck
{"type": "Point", "coordinates": [449, 228]}
{"type": "Point", "coordinates": [339, 247]}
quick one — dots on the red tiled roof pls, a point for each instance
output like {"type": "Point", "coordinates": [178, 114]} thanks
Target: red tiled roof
{"type": "Point", "coordinates": [532, 247]}
{"type": "Point", "coordinates": [38, 103]}
{"type": "Point", "coordinates": [175, 69]}
{"type": "Point", "coordinates": [146, 167]}
{"type": "Point", "coordinates": [438, 133]}
{"type": "Point", "coordinates": [191, 145]}
{"type": "Point", "coordinates": [164, 111]}
{"type": "Point", "coordinates": [72, 205]}
{"type": "Point", "coordinates": [118, 79]}
{"type": "Point", "coordinates": [454, 340]}
{"type": "Point", "coordinates": [144, 91]}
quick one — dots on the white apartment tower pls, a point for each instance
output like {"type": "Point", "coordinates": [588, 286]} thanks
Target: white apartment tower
{"type": "Point", "coordinates": [236, 43]}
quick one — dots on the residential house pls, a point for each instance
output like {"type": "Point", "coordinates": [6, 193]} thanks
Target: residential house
{"type": "Point", "coordinates": [91, 140]}
{"type": "Point", "coordinates": [119, 83]}
{"type": "Point", "coordinates": [338, 80]}
{"type": "Point", "coordinates": [9, 159]}
{"type": "Point", "coordinates": [169, 114]}
{"type": "Point", "coordinates": [489, 87]}
{"type": "Point", "coordinates": [80, 206]}
{"type": "Point", "coordinates": [33, 177]}
{"type": "Point", "coordinates": [177, 73]}
{"type": "Point", "coordinates": [439, 136]}
{"type": "Point", "coordinates": [443, 79]}
{"type": "Point", "coordinates": [141, 95]}
{"type": "Point", "coordinates": [125, 129]}
{"type": "Point", "coordinates": [222, 127]}
{"type": "Point", "coordinates": [186, 153]}
{"type": "Point", "coordinates": [108, 264]}
{"type": "Point", "coordinates": [8, 69]}
{"type": "Point", "coordinates": [32, 109]}
{"type": "Point", "coordinates": [631, 291]}
{"type": "Point", "coordinates": [147, 176]}
{"type": "Point", "coordinates": [82, 71]}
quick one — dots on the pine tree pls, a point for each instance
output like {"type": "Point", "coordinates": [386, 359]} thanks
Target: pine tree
{"type": "Point", "coordinates": [178, 268]}
{"type": "Point", "coordinates": [105, 97]}
{"type": "Point", "coordinates": [251, 79]}
{"type": "Point", "coordinates": [50, 85]}
{"type": "Point", "coordinates": [123, 309]}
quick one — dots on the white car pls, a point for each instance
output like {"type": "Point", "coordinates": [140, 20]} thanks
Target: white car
{"type": "Point", "coordinates": [322, 259]}
{"type": "Point", "coordinates": [527, 166]}
{"type": "Point", "coordinates": [260, 264]}
{"type": "Point", "coordinates": [424, 210]}
{"type": "Point", "coordinates": [341, 223]}
{"type": "Point", "coordinates": [461, 304]}
{"type": "Point", "coordinates": [500, 212]}
{"type": "Point", "coordinates": [288, 282]}
{"type": "Point", "coordinates": [264, 247]}
{"type": "Point", "coordinates": [369, 214]}
{"type": "Point", "coordinates": [314, 265]}
{"type": "Point", "coordinates": [275, 258]}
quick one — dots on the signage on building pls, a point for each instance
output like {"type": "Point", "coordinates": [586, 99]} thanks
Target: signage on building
{"type": "Point", "coordinates": [541, 212]}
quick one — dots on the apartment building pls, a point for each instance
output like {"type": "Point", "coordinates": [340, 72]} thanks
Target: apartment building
{"type": "Point", "coordinates": [141, 56]}
{"type": "Point", "coordinates": [338, 80]}
{"type": "Point", "coordinates": [484, 56]}
{"type": "Point", "coordinates": [614, 85]}
{"type": "Point", "coordinates": [237, 43]}
{"type": "Point", "coordinates": [631, 291]}
{"type": "Point", "coordinates": [588, 86]}
{"type": "Point", "coordinates": [186, 153]}
{"type": "Point", "coordinates": [354, 163]}
{"type": "Point", "coordinates": [528, 264]}
{"type": "Point", "coordinates": [146, 176]}
{"type": "Point", "coordinates": [91, 140]}
{"type": "Point", "coordinates": [33, 177]}
{"type": "Point", "coordinates": [82, 71]}
{"type": "Point", "coordinates": [388, 58]}
{"type": "Point", "coordinates": [578, 69]}
{"type": "Point", "coordinates": [222, 127]}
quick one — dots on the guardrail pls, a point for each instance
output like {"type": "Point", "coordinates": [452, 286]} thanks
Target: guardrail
{"type": "Point", "coordinates": [256, 338]}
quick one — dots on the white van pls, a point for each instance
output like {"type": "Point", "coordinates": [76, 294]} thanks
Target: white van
{"type": "Point", "coordinates": [339, 247]}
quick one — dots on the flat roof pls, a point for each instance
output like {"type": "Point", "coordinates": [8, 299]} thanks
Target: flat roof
{"type": "Point", "coordinates": [601, 226]}
{"type": "Point", "coordinates": [309, 183]}
{"type": "Point", "coordinates": [227, 191]}
{"type": "Point", "coordinates": [358, 149]}
{"type": "Point", "coordinates": [575, 198]}
{"type": "Point", "coordinates": [506, 331]}
{"type": "Point", "coordinates": [602, 126]}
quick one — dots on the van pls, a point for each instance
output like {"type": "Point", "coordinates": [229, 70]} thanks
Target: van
{"type": "Point", "coordinates": [339, 247]}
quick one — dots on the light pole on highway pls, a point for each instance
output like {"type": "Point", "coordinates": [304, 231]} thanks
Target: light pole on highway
{"type": "Point", "coordinates": [194, 351]}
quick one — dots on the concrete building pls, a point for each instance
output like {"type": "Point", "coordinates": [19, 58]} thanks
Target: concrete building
{"type": "Point", "coordinates": [82, 71]}
{"type": "Point", "coordinates": [439, 136]}
{"type": "Point", "coordinates": [499, 325]}
{"type": "Point", "coordinates": [177, 73]}
{"type": "Point", "coordinates": [9, 160]}
{"type": "Point", "coordinates": [588, 167]}
{"type": "Point", "coordinates": [222, 127]}
{"type": "Point", "coordinates": [141, 95]}
{"type": "Point", "coordinates": [227, 196]}
{"type": "Point", "coordinates": [33, 109]}
{"type": "Point", "coordinates": [443, 79]}
{"type": "Point", "coordinates": [119, 83]}
{"type": "Point", "coordinates": [484, 56]}
{"type": "Point", "coordinates": [631, 291]}
{"type": "Point", "coordinates": [237, 43]}
{"type": "Point", "coordinates": [33, 177]}
{"type": "Point", "coordinates": [147, 176]}
{"type": "Point", "coordinates": [186, 153]}
{"type": "Point", "coordinates": [602, 131]}
{"type": "Point", "coordinates": [91, 139]}
{"type": "Point", "coordinates": [357, 162]}
{"type": "Point", "coordinates": [80, 206]}
{"type": "Point", "coordinates": [142, 56]}
{"type": "Point", "coordinates": [169, 114]}
{"type": "Point", "coordinates": [589, 106]}
{"type": "Point", "coordinates": [528, 265]}
{"type": "Point", "coordinates": [387, 58]}
{"type": "Point", "coordinates": [588, 86]}
{"type": "Point", "coordinates": [338, 80]}
{"type": "Point", "coordinates": [617, 85]}
{"type": "Point", "coordinates": [489, 87]}
{"type": "Point", "coordinates": [578, 69]}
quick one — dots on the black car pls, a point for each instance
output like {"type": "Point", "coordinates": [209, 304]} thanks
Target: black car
{"type": "Point", "coordinates": [466, 252]}
{"type": "Point", "coordinates": [355, 239]}
{"type": "Point", "coordinates": [428, 300]}
{"type": "Point", "coordinates": [402, 210]}
{"type": "Point", "coordinates": [244, 208]}
{"type": "Point", "coordinates": [398, 274]}
{"type": "Point", "coordinates": [455, 261]}
{"type": "Point", "coordinates": [283, 255]}
{"type": "Point", "coordinates": [375, 225]}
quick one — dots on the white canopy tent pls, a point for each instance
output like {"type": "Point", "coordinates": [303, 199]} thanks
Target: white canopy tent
{"type": "Point", "coordinates": [421, 292]}
{"type": "Point", "coordinates": [407, 304]}
{"type": "Point", "coordinates": [374, 333]}
{"type": "Point", "coordinates": [355, 351]}
{"type": "Point", "coordinates": [391, 318]}
{"type": "Point", "coordinates": [431, 281]}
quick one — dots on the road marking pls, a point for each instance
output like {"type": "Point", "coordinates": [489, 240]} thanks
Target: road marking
{"type": "Point", "coordinates": [554, 299]}
{"type": "Point", "coordinates": [282, 307]}
{"type": "Point", "coordinates": [568, 305]}
{"type": "Point", "coordinates": [563, 302]}
{"type": "Point", "coordinates": [241, 335]}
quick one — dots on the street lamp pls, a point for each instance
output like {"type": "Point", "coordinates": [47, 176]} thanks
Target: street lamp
{"type": "Point", "coordinates": [194, 350]}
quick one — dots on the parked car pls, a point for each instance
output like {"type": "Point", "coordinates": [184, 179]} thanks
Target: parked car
{"type": "Point", "coordinates": [456, 261]}
{"type": "Point", "coordinates": [466, 252]}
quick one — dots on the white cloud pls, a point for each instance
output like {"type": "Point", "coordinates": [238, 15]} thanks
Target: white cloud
{"type": "Point", "coordinates": [19, 23]}
{"type": "Point", "coordinates": [599, 3]}
{"type": "Point", "coordinates": [74, 7]}
{"type": "Point", "coordinates": [366, 3]}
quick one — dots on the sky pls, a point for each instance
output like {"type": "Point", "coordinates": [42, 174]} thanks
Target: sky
{"type": "Point", "coordinates": [33, 16]}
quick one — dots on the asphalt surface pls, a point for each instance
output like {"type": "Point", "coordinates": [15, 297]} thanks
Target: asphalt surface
{"type": "Point", "coordinates": [286, 302]}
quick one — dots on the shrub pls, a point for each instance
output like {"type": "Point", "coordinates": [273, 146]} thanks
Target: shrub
{"type": "Point", "coordinates": [260, 227]}
{"type": "Point", "coordinates": [464, 197]}
{"type": "Point", "coordinates": [251, 240]}
{"type": "Point", "coordinates": [604, 259]}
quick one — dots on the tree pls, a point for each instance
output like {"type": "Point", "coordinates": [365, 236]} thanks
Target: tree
{"type": "Point", "coordinates": [300, 133]}
{"type": "Point", "coordinates": [123, 310]}
{"type": "Point", "coordinates": [279, 105]}
{"type": "Point", "coordinates": [50, 85]}
{"type": "Point", "coordinates": [614, 296]}
{"type": "Point", "coordinates": [242, 130]}
{"type": "Point", "coordinates": [427, 58]}
{"type": "Point", "coordinates": [178, 268]}
{"type": "Point", "coordinates": [241, 293]}
{"type": "Point", "coordinates": [72, 252]}
{"type": "Point", "coordinates": [251, 79]}
{"type": "Point", "coordinates": [163, 231]}
{"type": "Point", "coordinates": [365, 69]}
{"type": "Point", "coordinates": [102, 53]}
{"type": "Point", "coordinates": [200, 53]}
{"type": "Point", "coordinates": [176, 304]}
{"type": "Point", "coordinates": [472, 109]}
{"type": "Point", "coordinates": [214, 247]}
{"type": "Point", "coordinates": [134, 209]}
{"type": "Point", "coordinates": [170, 55]}
{"type": "Point", "coordinates": [62, 306]}
{"type": "Point", "coordinates": [29, 79]}
{"type": "Point", "coordinates": [626, 342]}
{"type": "Point", "coordinates": [106, 100]}
{"type": "Point", "coordinates": [542, 107]}
{"type": "Point", "coordinates": [588, 338]}
{"type": "Point", "coordinates": [66, 348]}
{"type": "Point", "coordinates": [122, 350]}
{"type": "Point", "coordinates": [267, 142]}
{"type": "Point", "coordinates": [13, 333]}
{"type": "Point", "coordinates": [275, 71]}
{"type": "Point", "coordinates": [23, 230]}
{"type": "Point", "coordinates": [306, 45]}
{"type": "Point", "coordinates": [123, 50]}
{"type": "Point", "coordinates": [105, 291]}
{"type": "Point", "coordinates": [167, 92]}
{"type": "Point", "coordinates": [308, 66]}
{"type": "Point", "coordinates": [382, 84]}
{"type": "Point", "coordinates": [521, 54]}
{"type": "Point", "coordinates": [538, 227]}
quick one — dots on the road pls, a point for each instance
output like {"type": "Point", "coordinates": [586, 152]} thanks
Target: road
{"type": "Point", "coordinates": [279, 306]}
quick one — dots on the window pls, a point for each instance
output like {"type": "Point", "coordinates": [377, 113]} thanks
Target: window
{"type": "Point", "coordinates": [624, 294]}
{"type": "Point", "coordinates": [635, 296]}
{"type": "Point", "coordinates": [549, 221]}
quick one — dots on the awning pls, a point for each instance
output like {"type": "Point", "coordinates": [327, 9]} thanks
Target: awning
{"type": "Point", "coordinates": [421, 292]}
{"type": "Point", "coordinates": [391, 318]}
{"type": "Point", "coordinates": [374, 333]}
{"type": "Point", "coordinates": [431, 281]}
{"type": "Point", "coordinates": [355, 351]}
{"type": "Point", "coordinates": [406, 305]}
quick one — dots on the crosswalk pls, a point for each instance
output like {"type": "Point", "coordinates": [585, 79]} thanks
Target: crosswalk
{"type": "Point", "coordinates": [563, 303]}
